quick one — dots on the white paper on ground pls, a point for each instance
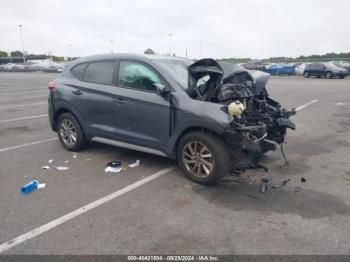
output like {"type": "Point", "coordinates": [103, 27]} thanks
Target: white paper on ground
{"type": "Point", "coordinates": [136, 164]}
{"type": "Point", "coordinates": [62, 168]}
{"type": "Point", "coordinates": [110, 169]}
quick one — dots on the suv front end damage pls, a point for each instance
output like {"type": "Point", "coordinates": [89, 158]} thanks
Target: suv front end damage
{"type": "Point", "coordinates": [259, 123]}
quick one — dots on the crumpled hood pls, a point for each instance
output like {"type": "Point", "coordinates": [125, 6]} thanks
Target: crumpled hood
{"type": "Point", "coordinates": [225, 72]}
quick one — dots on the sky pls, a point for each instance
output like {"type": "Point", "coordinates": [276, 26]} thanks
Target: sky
{"type": "Point", "coordinates": [205, 28]}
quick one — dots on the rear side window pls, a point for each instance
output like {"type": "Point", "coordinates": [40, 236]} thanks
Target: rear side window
{"type": "Point", "coordinates": [78, 70]}
{"type": "Point", "coordinates": [100, 72]}
{"type": "Point", "coordinates": [138, 76]}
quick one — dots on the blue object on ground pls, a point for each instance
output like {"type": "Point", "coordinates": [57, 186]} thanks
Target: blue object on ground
{"type": "Point", "coordinates": [27, 188]}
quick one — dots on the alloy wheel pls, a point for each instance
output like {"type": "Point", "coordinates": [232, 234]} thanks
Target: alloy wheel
{"type": "Point", "coordinates": [198, 159]}
{"type": "Point", "coordinates": [68, 132]}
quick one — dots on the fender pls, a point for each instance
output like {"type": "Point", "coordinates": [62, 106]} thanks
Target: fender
{"type": "Point", "coordinates": [61, 104]}
{"type": "Point", "coordinates": [190, 124]}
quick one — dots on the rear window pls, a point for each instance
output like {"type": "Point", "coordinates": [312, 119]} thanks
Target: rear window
{"type": "Point", "coordinates": [78, 70]}
{"type": "Point", "coordinates": [100, 72]}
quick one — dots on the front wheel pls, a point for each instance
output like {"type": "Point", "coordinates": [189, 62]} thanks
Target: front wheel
{"type": "Point", "coordinates": [203, 157]}
{"type": "Point", "coordinates": [328, 75]}
{"type": "Point", "coordinates": [70, 132]}
{"type": "Point", "coordinates": [306, 74]}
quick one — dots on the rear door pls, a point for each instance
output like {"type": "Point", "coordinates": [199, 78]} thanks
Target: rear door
{"type": "Point", "coordinates": [142, 116]}
{"type": "Point", "coordinates": [319, 69]}
{"type": "Point", "coordinates": [93, 98]}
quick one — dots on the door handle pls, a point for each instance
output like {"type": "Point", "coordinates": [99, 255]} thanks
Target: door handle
{"type": "Point", "coordinates": [77, 92]}
{"type": "Point", "coordinates": [119, 101]}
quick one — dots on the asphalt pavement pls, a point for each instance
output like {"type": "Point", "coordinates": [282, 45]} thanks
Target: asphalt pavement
{"type": "Point", "coordinates": [140, 211]}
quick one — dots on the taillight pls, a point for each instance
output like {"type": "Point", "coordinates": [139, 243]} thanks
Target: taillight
{"type": "Point", "coordinates": [51, 85]}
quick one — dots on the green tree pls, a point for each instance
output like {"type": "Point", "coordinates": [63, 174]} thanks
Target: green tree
{"type": "Point", "coordinates": [149, 51]}
{"type": "Point", "coordinates": [16, 54]}
{"type": "Point", "coordinates": [3, 54]}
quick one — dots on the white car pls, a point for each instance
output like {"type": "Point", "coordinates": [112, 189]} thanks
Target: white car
{"type": "Point", "coordinates": [299, 70]}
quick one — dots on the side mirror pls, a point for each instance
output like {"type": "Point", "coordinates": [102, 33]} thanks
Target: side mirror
{"type": "Point", "coordinates": [162, 90]}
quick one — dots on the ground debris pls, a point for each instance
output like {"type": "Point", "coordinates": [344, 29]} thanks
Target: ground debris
{"type": "Point", "coordinates": [136, 164]}
{"type": "Point", "coordinates": [114, 167]}
{"type": "Point", "coordinates": [62, 168]}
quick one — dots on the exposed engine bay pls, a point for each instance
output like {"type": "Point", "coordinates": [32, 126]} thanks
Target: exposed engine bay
{"type": "Point", "coordinates": [259, 122]}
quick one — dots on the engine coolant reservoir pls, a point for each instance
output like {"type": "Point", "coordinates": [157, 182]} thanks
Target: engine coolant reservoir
{"type": "Point", "coordinates": [235, 108]}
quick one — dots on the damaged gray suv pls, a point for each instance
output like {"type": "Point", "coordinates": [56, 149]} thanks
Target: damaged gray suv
{"type": "Point", "coordinates": [203, 113]}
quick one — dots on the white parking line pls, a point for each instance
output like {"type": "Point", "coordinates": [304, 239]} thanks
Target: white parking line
{"type": "Point", "coordinates": [23, 105]}
{"type": "Point", "coordinates": [25, 97]}
{"type": "Point", "coordinates": [28, 144]}
{"type": "Point", "coordinates": [22, 118]}
{"type": "Point", "coordinates": [50, 225]}
{"type": "Point", "coordinates": [16, 93]}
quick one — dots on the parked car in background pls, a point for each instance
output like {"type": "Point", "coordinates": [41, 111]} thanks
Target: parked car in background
{"type": "Point", "coordinates": [327, 70]}
{"type": "Point", "coordinates": [280, 69]}
{"type": "Point", "coordinates": [198, 113]}
{"type": "Point", "coordinates": [343, 64]}
{"type": "Point", "coordinates": [256, 65]}
{"type": "Point", "coordinates": [299, 69]}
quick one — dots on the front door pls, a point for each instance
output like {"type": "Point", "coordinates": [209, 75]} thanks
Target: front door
{"type": "Point", "coordinates": [143, 116]}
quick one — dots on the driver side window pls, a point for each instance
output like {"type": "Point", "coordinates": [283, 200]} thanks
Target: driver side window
{"type": "Point", "coordinates": [137, 76]}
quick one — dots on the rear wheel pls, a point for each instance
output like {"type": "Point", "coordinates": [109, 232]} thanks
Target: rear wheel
{"type": "Point", "coordinates": [328, 75]}
{"type": "Point", "coordinates": [203, 157]}
{"type": "Point", "coordinates": [70, 133]}
{"type": "Point", "coordinates": [306, 74]}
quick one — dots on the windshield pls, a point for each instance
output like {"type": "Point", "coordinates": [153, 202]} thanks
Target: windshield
{"type": "Point", "coordinates": [177, 69]}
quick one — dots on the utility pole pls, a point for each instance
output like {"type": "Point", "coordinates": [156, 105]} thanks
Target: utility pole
{"type": "Point", "coordinates": [21, 34]}
{"type": "Point", "coordinates": [170, 51]}
{"type": "Point", "coordinates": [186, 52]}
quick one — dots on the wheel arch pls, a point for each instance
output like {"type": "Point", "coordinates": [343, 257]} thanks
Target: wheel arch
{"type": "Point", "coordinates": [190, 129]}
{"type": "Point", "coordinates": [65, 109]}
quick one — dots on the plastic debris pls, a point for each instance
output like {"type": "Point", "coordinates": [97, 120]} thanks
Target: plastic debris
{"type": "Point", "coordinates": [31, 186]}
{"type": "Point", "coordinates": [297, 189]}
{"type": "Point", "coordinates": [265, 184]}
{"type": "Point", "coordinates": [62, 168]}
{"type": "Point", "coordinates": [136, 164]}
{"type": "Point", "coordinates": [114, 167]}
{"type": "Point", "coordinates": [75, 155]}
{"type": "Point", "coordinates": [40, 186]}
{"type": "Point", "coordinates": [66, 162]}
{"type": "Point", "coordinates": [303, 179]}
{"type": "Point", "coordinates": [285, 182]}
{"type": "Point", "coordinates": [45, 167]}
{"type": "Point", "coordinates": [51, 161]}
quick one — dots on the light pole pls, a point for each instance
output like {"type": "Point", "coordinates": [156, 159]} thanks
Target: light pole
{"type": "Point", "coordinates": [20, 31]}
{"type": "Point", "coordinates": [170, 51]}
{"type": "Point", "coordinates": [112, 45]}
{"type": "Point", "coordinates": [69, 57]}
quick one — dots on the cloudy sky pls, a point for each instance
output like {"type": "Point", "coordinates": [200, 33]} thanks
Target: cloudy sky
{"type": "Point", "coordinates": [231, 28]}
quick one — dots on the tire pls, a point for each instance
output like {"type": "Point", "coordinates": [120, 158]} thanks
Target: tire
{"type": "Point", "coordinates": [329, 75]}
{"type": "Point", "coordinates": [306, 74]}
{"type": "Point", "coordinates": [193, 165]}
{"type": "Point", "coordinates": [69, 125]}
